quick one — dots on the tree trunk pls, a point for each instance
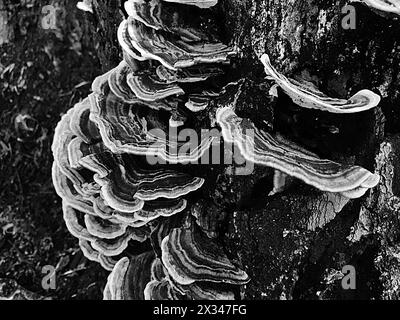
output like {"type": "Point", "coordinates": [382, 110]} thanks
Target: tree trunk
{"type": "Point", "coordinates": [292, 244]}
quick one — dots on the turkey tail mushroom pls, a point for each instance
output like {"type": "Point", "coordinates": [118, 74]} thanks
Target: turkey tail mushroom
{"type": "Point", "coordinates": [190, 256]}
{"type": "Point", "coordinates": [80, 124]}
{"type": "Point", "coordinates": [192, 267]}
{"type": "Point", "coordinates": [175, 19]}
{"type": "Point", "coordinates": [111, 194]}
{"type": "Point", "coordinates": [391, 7]}
{"type": "Point", "coordinates": [306, 95]}
{"type": "Point", "coordinates": [175, 53]}
{"type": "Point", "coordinates": [140, 130]}
{"type": "Point", "coordinates": [198, 3]}
{"type": "Point", "coordinates": [129, 278]}
{"type": "Point", "coordinates": [262, 148]}
{"type": "Point", "coordinates": [119, 168]}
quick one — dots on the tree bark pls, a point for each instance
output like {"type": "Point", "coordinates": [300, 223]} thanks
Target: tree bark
{"type": "Point", "coordinates": [292, 244]}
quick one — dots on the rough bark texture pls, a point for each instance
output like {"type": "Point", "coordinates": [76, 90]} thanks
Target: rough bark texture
{"type": "Point", "coordinates": [105, 23]}
{"type": "Point", "coordinates": [294, 244]}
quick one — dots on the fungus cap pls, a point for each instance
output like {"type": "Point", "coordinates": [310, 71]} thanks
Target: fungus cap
{"type": "Point", "coordinates": [190, 256]}
{"type": "Point", "coordinates": [385, 6]}
{"type": "Point", "coordinates": [199, 3]}
{"type": "Point", "coordinates": [175, 53]}
{"type": "Point", "coordinates": [262, 148]}
{"type": "Point", "coordinates": [306, 95]}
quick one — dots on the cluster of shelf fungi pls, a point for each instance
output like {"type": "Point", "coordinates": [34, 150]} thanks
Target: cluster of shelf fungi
{"type": "Point", "coordinates": [135, 219]}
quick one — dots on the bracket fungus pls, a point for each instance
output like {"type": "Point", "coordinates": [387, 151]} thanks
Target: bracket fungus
{"type": "Point", "coordinates": [80, 124]}
{"type": "Point", "coordinates": [129, 277]}
{"type": "Point", "coordinates": [188, 75]}
{"type": "Point", "coordinates": [111, 196]}
{"type": "Point", "coordinates": [174, 19]}
{"type": "Point", "coordinates": [133, 216]}
{"type": "Point", "coordinates": [190, 256]}
{"type": "Point", "coordinates": [125, 42]}
{"type": "Point", "coordinates": [172, 52]}
{"type": "Point", "coordinates": [198, 3]}
{"type": "Point", "coordinates": [161, 287]}
{"type": "Point", "coordinates": [127, 128]}
{"type": "Point", "coordinates": [383, 6]}
{"type": "Point", "coordinates": [192, 267]}
{"type": "Point", "coordinates": [306, 95]}
{"type": "Point", "coordinates": [262, 148]}
{"type": "Point", "coordinates": [117, 84]}
{"type": "Point", "coordinates": [147, 88]}
{"type": "Point", "coordinates": [94, 184]}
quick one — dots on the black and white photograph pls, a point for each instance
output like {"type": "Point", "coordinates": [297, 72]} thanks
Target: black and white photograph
{"type": "Point", "coordinates": [218, 151]}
